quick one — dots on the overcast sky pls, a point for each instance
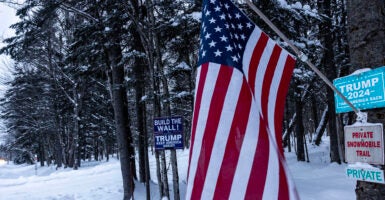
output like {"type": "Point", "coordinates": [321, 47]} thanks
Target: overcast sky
{"type": "Point", "coordinates": [7, 18]}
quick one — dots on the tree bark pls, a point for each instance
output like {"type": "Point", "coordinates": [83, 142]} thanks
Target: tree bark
{"type": "Point", "coordinates": [299, 125]}
{"type": "Point", "coordinates": [366, 35]}
{"type": "Point", "coordinates": [321, 126]}
{"type": "Point", "coordinates": [331, 73]}
{"type": "Point", "coordinates": [123, 133]}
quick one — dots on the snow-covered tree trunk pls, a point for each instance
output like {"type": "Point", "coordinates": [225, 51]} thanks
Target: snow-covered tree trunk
{"type": "Point", "coordinates": [123, 133]}
{"type": "Point", "coordinates": [366, 34]}
{"type": "Point", "coordinates": [321, 126]}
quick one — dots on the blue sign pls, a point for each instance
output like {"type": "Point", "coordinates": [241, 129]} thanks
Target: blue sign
{"type": "Point", "coordinates": [168, 133]}
{"type": "Point", "coordinates": [364, 90]}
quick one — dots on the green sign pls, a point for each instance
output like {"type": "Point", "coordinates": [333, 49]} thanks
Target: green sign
{"type": "Point", "coordinates": [364, 90]}
{"type": "Point", "coordinates": [365, 174]}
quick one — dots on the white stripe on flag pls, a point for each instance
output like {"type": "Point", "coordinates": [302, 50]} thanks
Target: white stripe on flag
{"type": "Point", "coordinates": [222, 134]}
{"type": "Point", "coordinates": [261, 72]}
{"type": "Point", "coordinates": [207, 94]}
{"type": "Point", "coordinates": [272, 178]}
{"type": "Point", "coordinates": [246, 156]}
{"type": "Point", "coordinates": [273, 93]}
{"type": "Point", "coordinates": [249, 49]}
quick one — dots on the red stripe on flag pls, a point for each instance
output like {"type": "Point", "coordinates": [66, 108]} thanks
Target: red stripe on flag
{"type": "Point", "coordinates": [281, 96]}
{"type": "Point", "coordinates": [234, 143]}
{"type": "Point", "coordinates": [255, 59]}
{"type": "Point", "coordinates": [283, 193]}
{"type": "Point", "coordinates": [268, 77]}
{"type": "Point", "coordinates": [257, 179]}
{"type": "Point", "coordinates": [198, 100]}
{"type": "Point", "coordinates": [216, 105]}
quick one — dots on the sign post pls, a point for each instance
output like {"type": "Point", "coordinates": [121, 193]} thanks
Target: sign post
{"type": "Point", "coordinates": [168, 133]}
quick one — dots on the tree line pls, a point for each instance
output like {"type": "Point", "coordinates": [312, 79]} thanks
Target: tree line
{"type": "Point", "coordinates": [90, 76]}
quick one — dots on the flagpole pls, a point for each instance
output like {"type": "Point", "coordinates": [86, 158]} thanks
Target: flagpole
{"type": "Point", "coordinates": [303, 57]}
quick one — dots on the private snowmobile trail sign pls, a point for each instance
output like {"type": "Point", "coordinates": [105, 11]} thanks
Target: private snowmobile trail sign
{"type": "Point", "coordinates": [364, 143]}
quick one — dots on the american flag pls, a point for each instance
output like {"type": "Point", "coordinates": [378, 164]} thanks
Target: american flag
{"type": "Point", "coordinates": [242, 81]}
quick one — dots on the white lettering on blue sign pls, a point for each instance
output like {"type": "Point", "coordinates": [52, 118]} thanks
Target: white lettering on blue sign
{"type": "Point", "coordinates": [168, 133]}
{"type": "Point", "coordinates": [359, 85]}
{"type": "Point", "coordinates": [364, 90]}
{"type": "Point", "coordinates": [167, 138]}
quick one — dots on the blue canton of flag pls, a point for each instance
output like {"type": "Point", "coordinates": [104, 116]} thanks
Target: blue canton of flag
{"type": "Point", "coordinates": [224, 34]}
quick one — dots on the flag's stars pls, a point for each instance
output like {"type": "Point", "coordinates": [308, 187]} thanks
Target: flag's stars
{"type": "Point", "coordinates": [224, 33]}
{"type": "Point", "coordinates": [218, 29]}
{"type": "Point", "coordinates": [208, 35]}
{"type": "Point", "coordinates": [235, 44]}
{"type": "Point", "coordinates": [212, 43]}
{"type": "Point", "coordinates": [229, 48]}
{"type": "Point", "coordinates": [217, 53]}
{"type": "Point", "coordinates": [223, 38]}
{"type": "Point", "coordinates": [235, 59]}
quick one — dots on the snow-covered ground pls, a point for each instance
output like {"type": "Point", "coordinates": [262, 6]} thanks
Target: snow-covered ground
{"type": "Point", "coordinates": [316, 180]}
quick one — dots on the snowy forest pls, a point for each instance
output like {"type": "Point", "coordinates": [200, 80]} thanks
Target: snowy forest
{"type": "Point", "coordinates": [89, 77]}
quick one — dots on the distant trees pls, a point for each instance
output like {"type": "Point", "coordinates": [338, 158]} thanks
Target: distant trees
{"type": "Point", "coordinates": [90, 77]}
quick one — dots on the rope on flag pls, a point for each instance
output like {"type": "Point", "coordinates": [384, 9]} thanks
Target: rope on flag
{"type": "Point", "coordinates": [242, 81]}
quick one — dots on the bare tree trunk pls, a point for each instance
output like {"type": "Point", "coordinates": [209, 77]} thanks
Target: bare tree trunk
{"type": "Point", "coordinates": [331, 73]}
{"type": "Point", "coordinates": [321, 126]}
{"type": "Point", "coordinates": [123, 133]}
{"type": "Point", "coordinates": [366, 34]}
{"type": "Point", "coordinates": [299, 125]}
{"type": "Point", "coordinates": [289, 130]}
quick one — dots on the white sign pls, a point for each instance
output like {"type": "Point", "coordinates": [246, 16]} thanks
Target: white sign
{"type": "Point", "coordinates": [364, 143]}
{"type": "Point", "coordinates": [365, 174]}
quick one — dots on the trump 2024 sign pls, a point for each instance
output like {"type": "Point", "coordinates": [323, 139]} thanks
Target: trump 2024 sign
{"type": "Point", "coordinates": [168, 133]}
{"type": "Point", "coordinates": [364, 90]}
